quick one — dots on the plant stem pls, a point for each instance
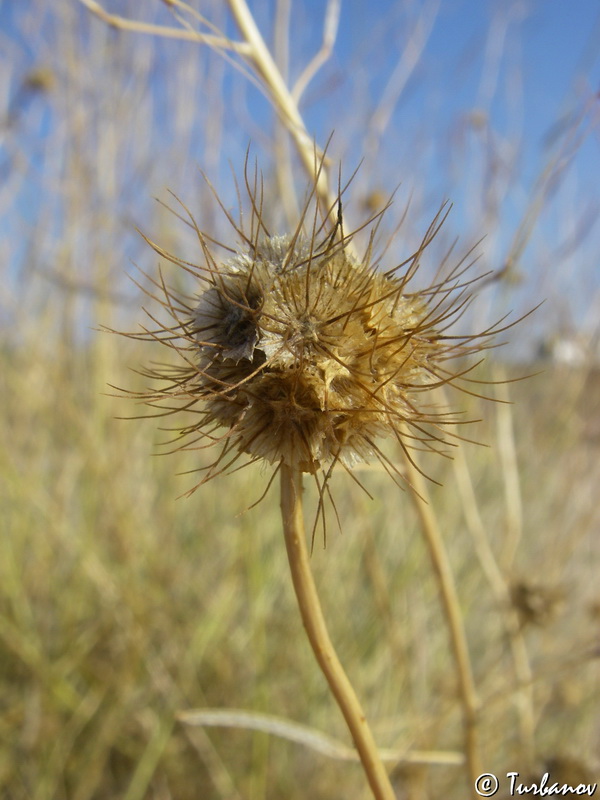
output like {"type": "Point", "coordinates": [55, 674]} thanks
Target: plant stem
{"type": "Point", "coordinates": [282, 100]}
{"type": "Point", "coordinates": [451, 606]}
{"type": "Point", "coordinates": [523, 691]}
{"type": "Point", "coordinates": [316, 630]}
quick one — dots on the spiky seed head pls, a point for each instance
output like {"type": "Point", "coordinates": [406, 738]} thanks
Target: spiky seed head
{"type": "Point", "coordinates": [297, 351]}
{"type": "Point", "coordinates": [307, 355]}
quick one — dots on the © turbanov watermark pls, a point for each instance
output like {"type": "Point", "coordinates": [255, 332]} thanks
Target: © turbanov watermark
{"type": "Point", "coordinates": [488, 784]}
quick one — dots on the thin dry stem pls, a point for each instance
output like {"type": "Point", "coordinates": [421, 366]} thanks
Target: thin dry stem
{"type": "Point", "coordinates": [310, 737]}
{"type": "Point", "coordinates": [451, 606]}
{"type": "Point", "coordinates": [282, 99]}
{"type": "Point", "coordinates": [318, 636]}
{"type": "Point", "coordinates": [136, 26]}
{"type": "Point", "coordinates": [255, 53]}
{"type": "Point", "coordinates": [410, 57]}
{"type": "Point", "coordinates": [330, 29]}
{"type": "Point", "coordinates": [510, 473]}
{"type": "Point", "coordinates": [521, 663]}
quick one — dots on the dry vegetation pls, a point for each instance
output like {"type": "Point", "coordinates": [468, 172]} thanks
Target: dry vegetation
{"type": "Point", "coordinates": [122, 607]}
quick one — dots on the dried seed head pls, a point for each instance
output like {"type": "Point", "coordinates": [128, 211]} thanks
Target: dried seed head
{"type": "Point", "coordinates": [309, 357]}
{"type": "Point", "coordinates": [536, 603]}
{"type": "Point", "coordinates": [298, 352]}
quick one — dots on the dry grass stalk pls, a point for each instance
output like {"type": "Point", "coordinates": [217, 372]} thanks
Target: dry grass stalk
{"type": "Point", "coordinates": [255, 56]}
{"type": "Point", "coordinates": [318, 636]}
{"type": "Point", "coordinates": [454, 619]}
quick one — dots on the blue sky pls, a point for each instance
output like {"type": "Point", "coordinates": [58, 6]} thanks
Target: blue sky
{"type": "Point", "coordinates": [530, 70]}
{"type": "Point", "coordinates": [491, 100]}
{"type": "Point", "coordinates": [548, 60]}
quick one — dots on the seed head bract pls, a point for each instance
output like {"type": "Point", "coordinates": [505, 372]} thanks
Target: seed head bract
{"type": "Point", "coordinates": [295, 349]}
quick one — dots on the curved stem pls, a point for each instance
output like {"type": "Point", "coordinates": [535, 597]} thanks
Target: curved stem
{"type": "Point", "coordinates": [316, 630]}
{"type": "Point", "coordinates": [282, 100]}
{"type": "Point", "coordinates": [451, 605]}
{"type": "Point", "coordinates": [524, 695]}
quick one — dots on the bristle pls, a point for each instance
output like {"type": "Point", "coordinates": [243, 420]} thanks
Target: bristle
{"type": "Point", "coordinates": [305, 355]}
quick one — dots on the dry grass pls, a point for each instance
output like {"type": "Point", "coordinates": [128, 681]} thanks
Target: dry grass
{"type": "Point", "coordinates": [121, 606]}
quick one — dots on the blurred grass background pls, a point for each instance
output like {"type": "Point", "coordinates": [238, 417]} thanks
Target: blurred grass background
{"type": "Point", "coordinates": [121, 605]}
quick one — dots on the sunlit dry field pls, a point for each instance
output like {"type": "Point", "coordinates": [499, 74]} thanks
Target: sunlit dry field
{"type": "Point", "coordinates": [123, 606]}
{"type": "Point", "coordinates": [128, 610]}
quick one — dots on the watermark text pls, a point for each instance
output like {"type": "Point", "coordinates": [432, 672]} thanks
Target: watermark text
{"type": "Point", "coordinates": [488, 784]}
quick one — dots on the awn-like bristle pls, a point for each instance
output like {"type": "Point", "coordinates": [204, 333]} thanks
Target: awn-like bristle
{"type": "Point", "coordinates": [295, 351]}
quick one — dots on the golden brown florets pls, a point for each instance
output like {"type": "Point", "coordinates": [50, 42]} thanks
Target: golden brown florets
{"type": "Point", "coordinates": [298, 352]}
